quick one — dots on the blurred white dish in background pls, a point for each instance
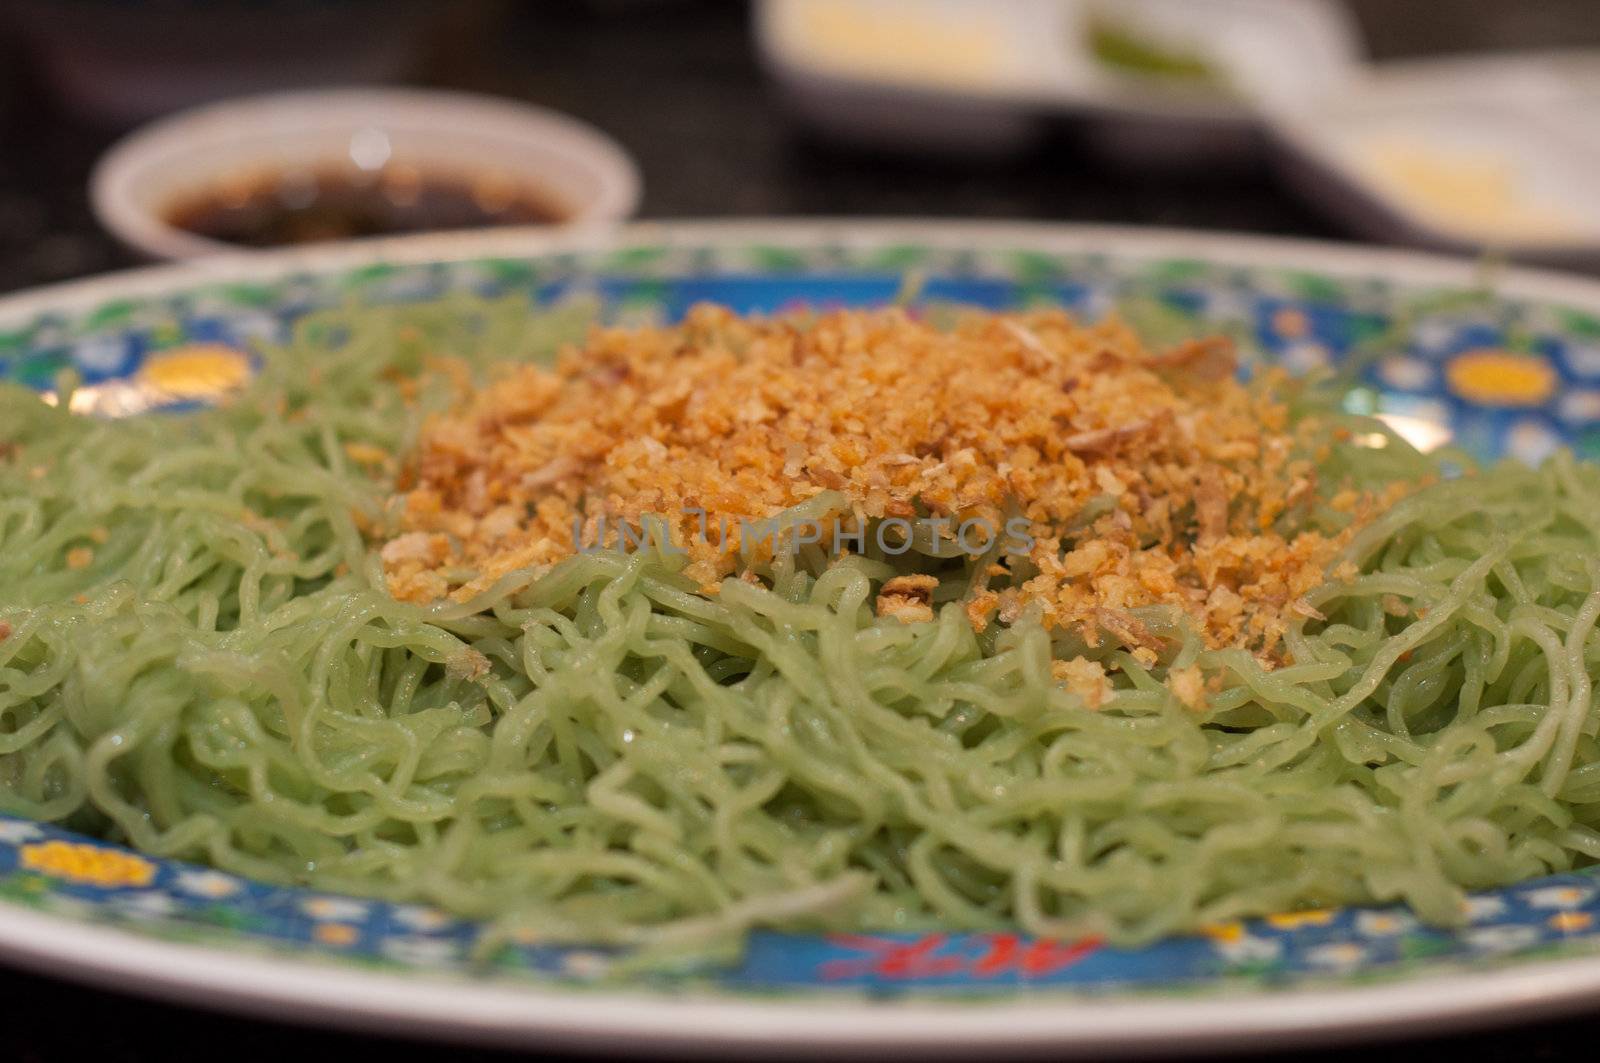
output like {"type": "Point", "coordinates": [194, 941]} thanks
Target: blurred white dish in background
{"type": "Point", "coordinates": [1496, 153]}
{"type": "Point", "coordinates": [137, 183]}
{"type": "Point", "coordinates": [915, 71]}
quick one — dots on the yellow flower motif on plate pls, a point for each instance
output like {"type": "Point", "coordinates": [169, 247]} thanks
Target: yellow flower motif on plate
{"type": "Point", "coordinates": [1571, 922]}
{"type": "Point", "coordinates": [195, 370]}
{"type": "Point", "coordinates": [1291, 323]}
{"type": "Point", "coordinates": [1557, 896]}
{"type": "Point", "coordinates": [339, 934]}
{"type": "Point", "coordinates": [1382, 924]}
{"type": "Point", "coordinates": [1339, 955]}
{"type": "Point", "coordinates": [421, 919]}
{"type": "Point", "coordinates": [1297, 920]}
{"type": "Point", "coordinates": [1223, 932]}
{"type": "Point", "coordinates": [334, 909]}
{"type": "Point", "coordinates": [210, 884]}
{"type": "Point", "coordinates": [88, 864]}
{"type": "Point", "coordinates": [1491, 377]}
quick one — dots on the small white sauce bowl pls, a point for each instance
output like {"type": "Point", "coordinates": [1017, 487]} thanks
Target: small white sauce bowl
{"type": "Point", "coordinates": [146, 173]}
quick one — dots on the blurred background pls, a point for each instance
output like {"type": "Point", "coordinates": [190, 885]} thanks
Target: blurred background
{"type": "Point", "coordinates": [1309, 119]}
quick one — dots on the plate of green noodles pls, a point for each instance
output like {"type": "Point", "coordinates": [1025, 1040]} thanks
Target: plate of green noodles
{"type": "Point", "coordinates": [599, 802]}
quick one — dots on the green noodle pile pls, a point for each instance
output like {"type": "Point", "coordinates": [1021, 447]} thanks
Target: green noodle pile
{"type": "Point", "coordinates": [603, 754]}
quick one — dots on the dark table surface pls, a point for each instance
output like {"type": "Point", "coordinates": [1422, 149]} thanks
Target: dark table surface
{"type": "Point", "coordinates": [677, 83]}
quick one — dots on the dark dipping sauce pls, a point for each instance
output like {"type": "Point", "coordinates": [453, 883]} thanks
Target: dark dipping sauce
{"type": "Point", "coordinates": [275, 208]}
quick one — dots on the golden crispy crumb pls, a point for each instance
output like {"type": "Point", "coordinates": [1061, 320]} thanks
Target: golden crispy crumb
{"type": "Point", "coordinates": [1146, 478]}
{"type": "Point", "coordinates": [908, 598]}
{"type": "Point", "coordinates": [469, 664]}
{"type": "Point", "coordinates": [1085, 678]}
{"type": "Point", "coordinates": [1188, 686]}
{"type": "Point", "coordinates": [1207, 357]}
{"type": "Point", "coordinates": [80, 557]}
{"type": "Point", "coordinates": [366, 453]}
{"type": "Point", "coordinates": [1301, 607]}
{"type": "Point", "coordinates": [99, 535]}
{"type": "Point", "coordinates": [982, 609]}
{"type": "Point", "coordinates": [1127, 629]}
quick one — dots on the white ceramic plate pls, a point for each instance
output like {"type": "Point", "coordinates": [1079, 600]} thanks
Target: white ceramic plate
{"type": "Point", "coordinates": [85, 909]}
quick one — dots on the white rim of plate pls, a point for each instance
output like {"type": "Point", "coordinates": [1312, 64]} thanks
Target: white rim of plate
{"type": "Point", "coordinates": [506, 1013]}
{"type": "Point", "coordinates": [165, 145]}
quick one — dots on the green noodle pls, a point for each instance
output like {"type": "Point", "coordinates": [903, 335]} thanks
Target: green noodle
{"type": "Point", "coordinates": [601, 753]}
